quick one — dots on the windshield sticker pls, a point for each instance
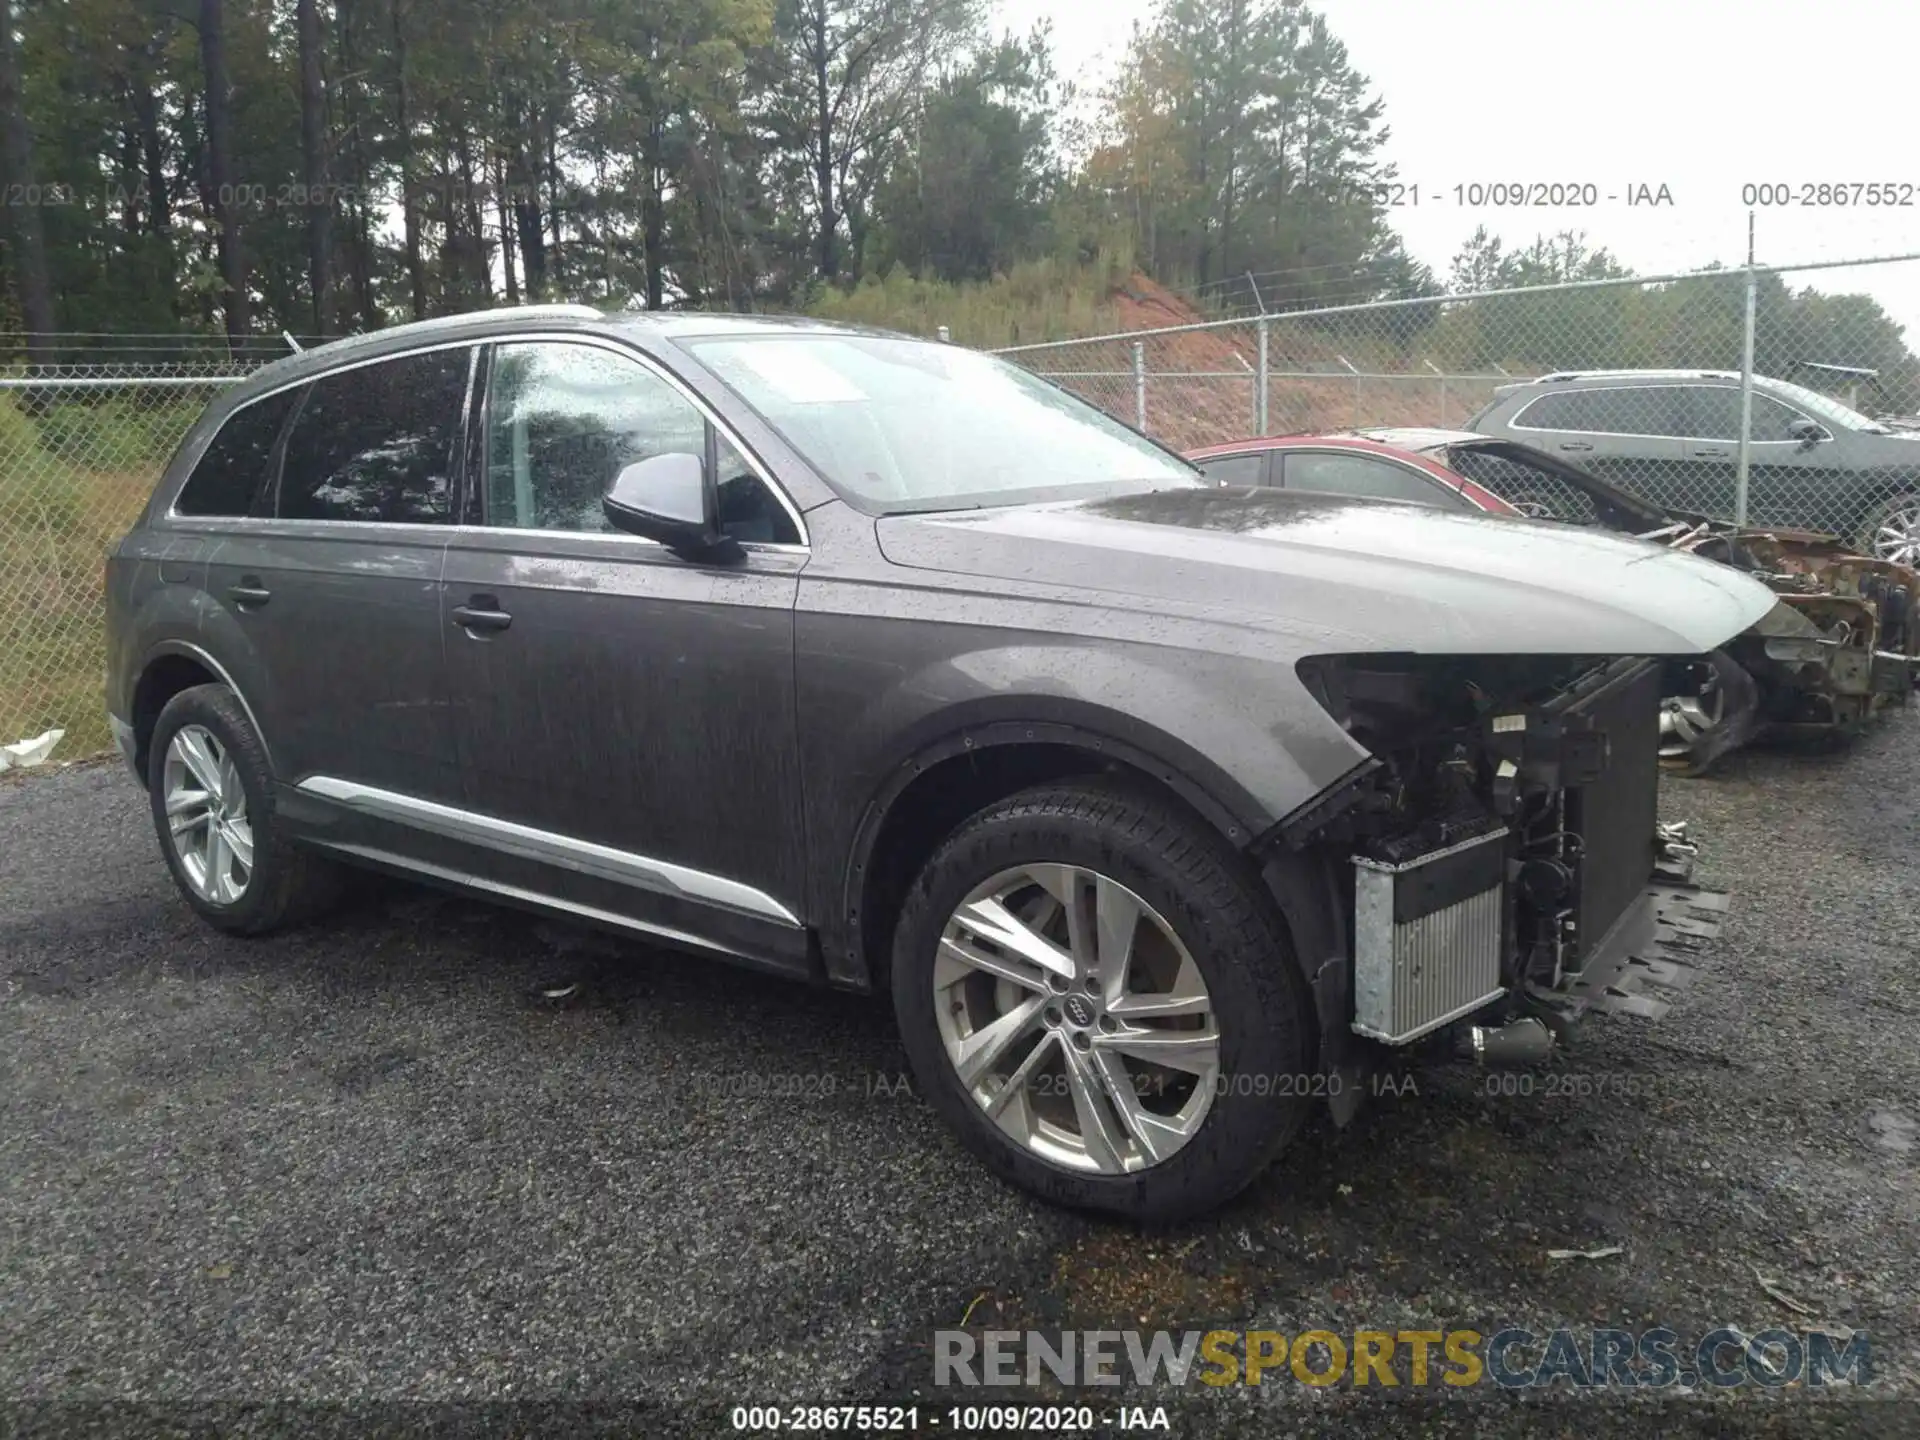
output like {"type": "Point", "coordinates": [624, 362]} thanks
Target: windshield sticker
{"type": "Point", "coordinates": [798, 376]}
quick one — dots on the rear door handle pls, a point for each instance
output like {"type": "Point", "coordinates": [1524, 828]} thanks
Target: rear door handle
{"type": "Point", "coordinates": [249, 594]}
{"type": "Point", "coordinates": [1710, 454]}
{"type": "Point", "coordinates": [1575, 445]}
{"type": "Point", "coordinates": [481, 613]}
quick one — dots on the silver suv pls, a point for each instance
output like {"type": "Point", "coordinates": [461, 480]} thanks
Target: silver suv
{"type": "Point", "coordinates": [1673, 436]}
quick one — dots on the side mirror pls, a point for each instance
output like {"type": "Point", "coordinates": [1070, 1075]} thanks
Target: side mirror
{"type": "Point", "coordinates": [1807, 432]}
{"type": "Point", "coordinates": [667, 498]}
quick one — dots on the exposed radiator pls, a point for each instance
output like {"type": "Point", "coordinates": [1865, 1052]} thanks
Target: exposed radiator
{"type": "Point", "coordinates": [1427, 937]}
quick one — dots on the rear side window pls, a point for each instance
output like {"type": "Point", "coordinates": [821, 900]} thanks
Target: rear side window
{"type": "Point", "coordinates": [376, 443]}
{"type": "Point", "coordinates": [1235, 469]}
{"type": "Point", "coordinates": [1333, 473]}
{"type": "Point", "coordinates": [1611, 410]}
{"type": "Point", "coordinates": [234, 469]}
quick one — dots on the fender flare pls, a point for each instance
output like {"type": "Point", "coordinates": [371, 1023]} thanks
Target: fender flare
{"type": "Point", "coordinates": [996, 733]}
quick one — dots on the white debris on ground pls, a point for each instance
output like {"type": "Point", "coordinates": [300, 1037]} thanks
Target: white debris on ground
{"type": "Point", "coordinates": [25, 753]}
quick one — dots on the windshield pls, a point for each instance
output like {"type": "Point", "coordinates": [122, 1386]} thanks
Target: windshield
{"type": "Point", "coordinates": [1826, 408]}
{"type": "Point", "coordinates": [909, 425]}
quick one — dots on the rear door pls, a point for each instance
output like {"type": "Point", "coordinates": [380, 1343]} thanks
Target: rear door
{"type": "Point", "coordinates": [332, 589]}
{"type": "Point", "coordinates": [1629, 434]}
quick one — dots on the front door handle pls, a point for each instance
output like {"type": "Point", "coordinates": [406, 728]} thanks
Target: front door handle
{"type": "Point", "coordinates": [249, 594]}
{"type": "Point", "coordinates": [1710, 454]}
{"type": "Point", "coordinates": [481, 613]}
{"type": "Point", "coordinates": [1575, 445]}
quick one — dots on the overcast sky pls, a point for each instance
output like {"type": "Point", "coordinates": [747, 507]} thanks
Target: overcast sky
{"type": "Point", "coordinates": [1702, 96]}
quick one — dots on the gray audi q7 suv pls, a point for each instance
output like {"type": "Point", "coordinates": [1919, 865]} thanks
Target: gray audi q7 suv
{"type": "Point", "coordinates": [1164, 811]}
{"type": "Point", "coordinates": [1673, 436]}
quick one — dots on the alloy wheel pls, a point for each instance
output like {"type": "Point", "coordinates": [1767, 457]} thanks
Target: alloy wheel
{"type": "Point", "coordinates": [1076, 1019]}
{"type": "Point", "coordinates": [207, 821]}
{"type": "Point", "coordinates": [1687, 720]}
{"type": "Point", "coordinates": [1896, 536]}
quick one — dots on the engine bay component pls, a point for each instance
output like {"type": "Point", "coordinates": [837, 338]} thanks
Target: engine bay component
{"type": "Point", "coordinates": [1503, 843]}
{"type": "Point", "coordinates": [1426, 935]}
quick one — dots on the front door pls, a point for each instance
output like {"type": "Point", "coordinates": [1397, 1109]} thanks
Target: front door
{"type": "Point", "coordinates": [626, 717]}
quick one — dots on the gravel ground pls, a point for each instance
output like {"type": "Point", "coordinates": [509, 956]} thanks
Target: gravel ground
{"type": "Point", "coordinates": [360, 1167]}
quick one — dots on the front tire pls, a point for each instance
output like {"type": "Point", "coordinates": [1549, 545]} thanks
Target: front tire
{"type": "Point", "coordinates": [1098, 994]}
{"type": "Point", "coordinates": [212, 802]}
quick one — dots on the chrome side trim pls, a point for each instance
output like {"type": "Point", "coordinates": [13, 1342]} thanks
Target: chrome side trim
{"type": "Point", "coordinates": [623, 867]}
{"type": "Point", "coordinates": [532, 897]}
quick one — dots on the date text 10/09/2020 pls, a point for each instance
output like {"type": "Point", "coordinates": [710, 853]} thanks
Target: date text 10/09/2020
{"type": "Point", "coordinates": [954, 1419]}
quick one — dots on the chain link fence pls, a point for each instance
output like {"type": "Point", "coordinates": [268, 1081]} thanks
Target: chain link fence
{"type": "Point", "coordinates": [80, 448]}
{"type": "Point", "coordinates": [82, 439]}
{"type": "Point", "coordinates": [1740, 395]}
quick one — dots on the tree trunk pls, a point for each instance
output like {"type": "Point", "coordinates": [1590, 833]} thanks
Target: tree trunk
{"type": "Point", "coordinates": [409, 203]}
{"type": "Point", "coordinates": [823, 147]}
{"type": "Point", "coordinates": [557, 261]}
{"type": "Point", "coordinates": [526, 213]}
{"type": "Point", "coordinates": [146, 119]}
{"type": "Point", "coordinates": [359, 246]}
{"type": "Point", "coordinates": [652, 208]}
{"type": "Point", "coordinates": [224, 213]}
{"type": "Point", "coordinates": [313, 152]}
{"type": "Point", "coordinates": [29, 243]}
{"type": "Point", "coordinates": [476, 229]}
{"type": "Point", "coordinates": [500, 200]}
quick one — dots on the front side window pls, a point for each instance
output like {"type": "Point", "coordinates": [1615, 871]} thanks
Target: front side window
{"type": "Point", "coordinates": [1329, 472]}
{"type": "Point", "coordinates": [1235, 469]}
{"type": "Point", "coordinates": [376, 443]}
{"type": "Point", "coordinates": [900, 426]}
{"type": "Point", "coordinates": [564, 420]}
{"type": "Point", "coordinates": [1716, 415]}
{"type": "Point", "coordinates": [233, 470]}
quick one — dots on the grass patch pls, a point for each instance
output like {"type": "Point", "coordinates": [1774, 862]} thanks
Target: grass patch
{"type": "Point", "coordinates": [73, 476]}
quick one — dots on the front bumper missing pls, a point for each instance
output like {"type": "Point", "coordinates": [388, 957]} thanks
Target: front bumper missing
{"type": "Point", "coordinates": [1648, 956]}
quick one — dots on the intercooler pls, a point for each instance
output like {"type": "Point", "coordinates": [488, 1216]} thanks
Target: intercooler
{"type": "Point", "coordinates": [1431, 930]}
{"type": "Point", "coordinates": [1427, 937]}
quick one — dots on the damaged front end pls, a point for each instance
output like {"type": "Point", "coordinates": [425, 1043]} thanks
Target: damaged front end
{"type": "Point", "coordinates": [1840, 647]}
{"type": "Point", "coordinates": [1500, 857]}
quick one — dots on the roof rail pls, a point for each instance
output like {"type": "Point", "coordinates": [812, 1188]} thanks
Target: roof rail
{"type": "Point", "coordinates": [1651, 373]}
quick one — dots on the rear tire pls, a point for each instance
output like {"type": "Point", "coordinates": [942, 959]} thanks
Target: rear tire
{"type": "Point", "coordinates": [1205, 957]}
{"type": "Point", "coordinates": [1891, 531]}
{"type": "Point", "coordinates": [207, 775]}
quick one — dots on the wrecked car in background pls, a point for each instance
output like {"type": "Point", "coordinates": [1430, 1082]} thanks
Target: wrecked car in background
{"type": "Point", "coordinates": [1840, 646]}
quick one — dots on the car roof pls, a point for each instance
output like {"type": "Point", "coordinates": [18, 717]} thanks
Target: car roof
{"type": "Point", "coordinates": [505, 321]}
{"type": "Point", "coordinates": [1342, 439]}
{"type": "Point", "coordinates": [1563, 377]}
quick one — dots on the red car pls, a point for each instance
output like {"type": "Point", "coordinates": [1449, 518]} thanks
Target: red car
{"type": "Point", "coordinates": [1405, 465]}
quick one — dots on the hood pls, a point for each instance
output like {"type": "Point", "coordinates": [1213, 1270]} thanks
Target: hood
{"type": "Point", "coordinates": [1351, 575]}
